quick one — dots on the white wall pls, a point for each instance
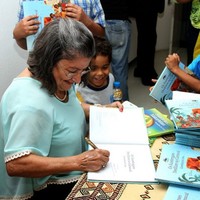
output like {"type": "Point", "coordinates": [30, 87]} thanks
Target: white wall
{"type": "Point", "coordinates": [164, 27]}
{"type": "Point", "coordinates": [13, 58]}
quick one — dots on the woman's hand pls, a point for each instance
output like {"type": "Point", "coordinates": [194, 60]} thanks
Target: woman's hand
{"type": "Point", "coordinates": [94, 160]}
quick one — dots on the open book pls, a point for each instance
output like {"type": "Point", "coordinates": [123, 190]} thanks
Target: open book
{"type": "Point", "coordinates": [184, 95]}
{"type": "Point", "coordinates": [179, 164]}
{"type": "Point", "coordinates": [46, 13]}
{"type": "Point", "coordinates": [168, 82]}
{"type": "Point", "coordinates": [124, 134]}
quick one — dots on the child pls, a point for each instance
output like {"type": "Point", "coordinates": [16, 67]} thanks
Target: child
{"type": "Point", "coordinates": [190, 76]}
{"type": "Point", "coordinates": [97, 85]}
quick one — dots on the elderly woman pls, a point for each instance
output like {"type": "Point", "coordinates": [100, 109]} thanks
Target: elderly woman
{"type": "Point", "coordinates": [42, 146]}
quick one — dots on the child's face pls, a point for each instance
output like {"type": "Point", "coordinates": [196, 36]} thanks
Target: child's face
{"type": "Point", "coordinates": [100, 68]}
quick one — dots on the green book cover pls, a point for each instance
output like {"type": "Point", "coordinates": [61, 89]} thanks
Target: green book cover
{"type": "Point", "coordinates": [157, 123]}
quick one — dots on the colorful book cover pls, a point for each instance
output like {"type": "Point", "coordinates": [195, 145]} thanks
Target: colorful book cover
{"type": "Point", "coordinates": [46, 12]}
{"type": "Point", "coordinates": [157, 123]}
{"type": "Point", "coordinates": [179, 164]}
{"type": "Point", "coordinates": [175, 192]}
{"type": "Point", "coordinates": [185, 113]}
{"type": "Point", "coordinates": [167, 83]}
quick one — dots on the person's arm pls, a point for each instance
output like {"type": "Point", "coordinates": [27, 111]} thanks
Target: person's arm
{"type": "Point", "coordinates": [27, 26]}
{"type": "Point", "coordinates": [172, 62]}
{"type": "Point", "coordinates": [35, 166]}
{"type": "Point", "coordinates": [76, 12]}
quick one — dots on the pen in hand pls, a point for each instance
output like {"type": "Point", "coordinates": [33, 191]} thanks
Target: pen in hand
{"type": "Point", "coordinates": [93, 146]}
{"type": "Point", "coordinates": [91, 143]}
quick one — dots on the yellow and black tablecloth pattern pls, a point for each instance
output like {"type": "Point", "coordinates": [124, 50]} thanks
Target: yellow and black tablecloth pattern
{"type": "Point", "coordinates": [84, 190]}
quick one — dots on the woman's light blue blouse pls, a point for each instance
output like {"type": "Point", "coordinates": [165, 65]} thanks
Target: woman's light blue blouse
{"type": "Point", "coordinates": [32, 121]}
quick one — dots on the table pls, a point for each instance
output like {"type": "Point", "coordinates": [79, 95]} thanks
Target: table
{"type": "Point", "coordinates": [84, 190]}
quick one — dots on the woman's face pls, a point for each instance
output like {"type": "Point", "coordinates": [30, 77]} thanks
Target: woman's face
{"type": "Point", "coordinates": [67, 72]}
{"type": "Point", "coordinates": [100, 69]}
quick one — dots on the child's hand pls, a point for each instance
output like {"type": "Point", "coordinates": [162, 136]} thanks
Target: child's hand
{"type": "Point", "coordinates": [27, 26]}
{"type": "Point", "coordinates": [172, 62]}
{"type": "Point", "coordinates": [116, 104]}
{"type": "Point", "coordinates": [154, 81]}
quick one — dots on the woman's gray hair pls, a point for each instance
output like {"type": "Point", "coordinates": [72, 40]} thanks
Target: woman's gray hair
{"type": "Point", "coordinates": [60, 39]}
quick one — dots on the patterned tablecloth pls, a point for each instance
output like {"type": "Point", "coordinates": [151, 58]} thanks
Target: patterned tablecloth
{"type": "Point", "coordinates": [84, 190]}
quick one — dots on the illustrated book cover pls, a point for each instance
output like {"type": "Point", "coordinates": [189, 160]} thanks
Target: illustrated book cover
{"type": "Point", "coordinates": [157, 123]}
{"type": "Point", "coordinates": [167, 83]}
{"type": "Point", "coordinates": [180, 165]}
{"type": "Point", "coordinates": [124, 135]}
{"type": "Point", "coordinates": [175, 192]}
{"type": "Point", "coordinates": [185, 113]}
{"type": "Point", "coordinates": [46, 11]}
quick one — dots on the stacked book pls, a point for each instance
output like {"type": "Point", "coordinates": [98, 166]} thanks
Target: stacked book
{"type": "Point", "coordinates": [179, 166]}
{"type": "Point", "coordinates": [184, 109]}
{"type": "Point", "coordinates": [179, 163]}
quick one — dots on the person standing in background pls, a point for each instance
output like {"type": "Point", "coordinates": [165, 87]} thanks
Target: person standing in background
{"type": "Point", "coordinates": [89, 13]}
{"type": "Point", "coordinates": [145, 14]}
{"type": "Point", "coordinates": [192, 10]}
{"type": "Point", "coordinates": [118, 33]}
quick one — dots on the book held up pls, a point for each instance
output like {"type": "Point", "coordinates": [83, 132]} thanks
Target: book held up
{"type": "Point", "coordinates": [47, 11]}
{"type": "Point", "coordinates": [167, 83]}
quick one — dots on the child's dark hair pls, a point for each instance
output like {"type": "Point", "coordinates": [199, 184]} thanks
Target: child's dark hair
{"type": "Point", "coordinates": [102, 47]}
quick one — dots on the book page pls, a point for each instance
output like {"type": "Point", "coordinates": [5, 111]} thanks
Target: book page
{"type": "Point", "coordinates": [184, 95]}
{"type": "Point", "coordinates": [109, 125]}
{"type": "Point", "coordinates": [128, 163]}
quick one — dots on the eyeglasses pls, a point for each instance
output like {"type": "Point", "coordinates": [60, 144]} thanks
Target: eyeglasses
{"type": "Point", "coordinates": [70, 74]}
